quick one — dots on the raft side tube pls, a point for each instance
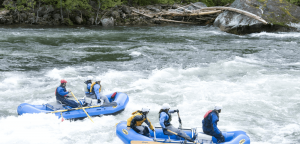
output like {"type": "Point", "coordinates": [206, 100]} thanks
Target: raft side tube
{"type": "Point", "coordinates": [28, 108]}
{"type": "Point", "coordinates": [128, 136]}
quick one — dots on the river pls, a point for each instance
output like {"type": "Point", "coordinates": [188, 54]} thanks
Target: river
{"type": "Point", "coordinates": [255, 77]}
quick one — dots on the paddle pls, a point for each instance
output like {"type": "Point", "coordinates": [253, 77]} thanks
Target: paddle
{"type": "Point", "coordinates": [179, 119]}
{"type": "Point", "coordinates": [82, 107]}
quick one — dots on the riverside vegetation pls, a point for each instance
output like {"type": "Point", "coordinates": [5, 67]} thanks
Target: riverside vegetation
{"type": "Point", "coordinates": [120, 12]}
{"type": "Point", "coordinates": [90, 12]}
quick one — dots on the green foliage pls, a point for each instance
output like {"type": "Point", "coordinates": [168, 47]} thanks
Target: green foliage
{"type": "Point", "coordinates": [210, 3]}
{"type": "Point", "coordinates": [296, 2]}
{"type": "Point", "coordinates": [68, 21]}
{"type": "Point", "coordinates": [75, 4]}
{"type": "Point", "coordinates": [109, 3]}
{"type": "Point", "coordinates": [20, 5]}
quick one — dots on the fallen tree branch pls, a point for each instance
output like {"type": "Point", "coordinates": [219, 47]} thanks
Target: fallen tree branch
{"type": "Point", "coordinates": [235, 10]}
{"type": "Point", "coordinates": [192, 14]}
{"type": "Point", "coordinates": [142, 14]}
{"type": "Point", "coordinates": [174, 21]}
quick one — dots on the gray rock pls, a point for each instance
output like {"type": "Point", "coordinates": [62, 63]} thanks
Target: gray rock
{"type": "Point", "coordinates": [126, 10]}
{"type": "Point", "coordinates": [23, 17]}
{"type": "Point", "coordinates": [199, 4]}
{"type": "Point", "coordinates": [115, 14]}
{"type": "Point", "coordinates": [78, 20]}
{"type": "Point", "coordinates": [2, 20]}
{"type": "Point", "coordinates": [152, 8]}
{"type": "Point", "coordinates": [175, 6]}
{"type": "Point", "coordinates": [282, 14]}
{"type": "Point", "coordinates": [8, 19]}
{"type": "Point", "coordinates": [107, 22]}
{"type": "Point", "coordinates": [91, 21]}
{"type": "Point", "coordinates": [46, 17]}
{"type": "Point", "coordinates": [56, 17]}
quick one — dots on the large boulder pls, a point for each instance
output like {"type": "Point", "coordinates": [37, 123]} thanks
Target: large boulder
{"type": "Point", "coordinates": [78, 20]}
{"type": "Point", "coordinates": [107, 22]}
{"type": "Point", "coordinates": [126, 9]}
{"type": "Point", "coordinates": [280, 15]}
{"type": "Point", "coordinates": [115, 14]}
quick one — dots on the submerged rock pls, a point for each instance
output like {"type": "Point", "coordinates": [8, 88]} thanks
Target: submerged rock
{"type": "Point", "coordinates": [280, 15]}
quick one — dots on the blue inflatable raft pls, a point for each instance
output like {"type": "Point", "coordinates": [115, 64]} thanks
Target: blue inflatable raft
{"type": "Point", "coordinates": [116, 106]}
{"type": "Point", "coordinates": [131, 137]}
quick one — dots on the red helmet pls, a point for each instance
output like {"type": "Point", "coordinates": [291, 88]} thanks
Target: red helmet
{"type": "Point", "coordinates": [63, 81]}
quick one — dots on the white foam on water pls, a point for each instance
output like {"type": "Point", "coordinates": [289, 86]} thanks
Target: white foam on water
{"type": "Point", "coordinates": [47, 128]}
{"type": "Point", "coordinates": [276, 35]}
{"type": "Point", "coordinates": [135, 53]}
{"type": "Point", "coordinates": [254, 101]}
{"type": "Point", "coordinates": [62, 74]}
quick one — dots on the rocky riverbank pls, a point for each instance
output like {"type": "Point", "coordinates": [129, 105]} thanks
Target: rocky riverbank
{"type": "Point", "coordinates": [279, 15]}
{"type": "Point", "coordinates": [116, 16]}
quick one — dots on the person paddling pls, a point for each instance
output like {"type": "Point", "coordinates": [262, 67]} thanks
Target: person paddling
{"type": "Point", "coordinates": [209, 123]}
{"type": "Point", "coordinates": [135, 122]}
{"type": "Point", "coordinates": [87, 86]}
{"type": "Point", "coordinates": [165, 119]}
{"type": "Point", "coordinates": [61, 95]}
{"type": "Point", "coordinates": [96, 90]}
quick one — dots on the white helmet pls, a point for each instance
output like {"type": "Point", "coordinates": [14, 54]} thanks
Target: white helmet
{"type": "Point", "coordinates": [218, 106]}
{"type": "Point", "coordinates": [145, 110]}
{"type": "Point", "coordinates": [165, 106]}
{"type": "Point", "coordinates": [98, 79]}
{"type": "Point", "coordinates": [89, 78]}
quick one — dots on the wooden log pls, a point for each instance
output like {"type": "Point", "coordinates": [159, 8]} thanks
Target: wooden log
{"type": "Point", "coordinates": [192, 14]}
{"type": "Point", "coordinates": [235, 10]}
{"type": "Point", "coordinates": [149, 16]}
{"type": "Point", "coordinates": [174, 21]}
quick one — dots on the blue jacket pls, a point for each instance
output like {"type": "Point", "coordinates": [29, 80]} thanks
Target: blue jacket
{"type": "Point", "coordinates": [96, 90]}
{"type": "Point", "coordinates": [60, 91]}
{"type": "Point", "coordinates": [88, 87]}
{"type": "Point", "coordinates": [164, 119]}
{"type": "Point", "coordinates": [209, 124]}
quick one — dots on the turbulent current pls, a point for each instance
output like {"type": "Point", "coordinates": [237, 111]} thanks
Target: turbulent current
{"type": "Point", "coordinates": [255, 77]}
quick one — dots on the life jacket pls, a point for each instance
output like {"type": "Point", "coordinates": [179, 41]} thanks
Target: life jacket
{"type": "Point", "coordinates": [140, 122]}
{"type": "Point", "coordinates": [57, 94]}
{"type": "Point", "coordinates": [168, 121]}
{"type": "Point", "coordinates": [208, 118]}
{"type": "Point", "coordinates": [92, 91]}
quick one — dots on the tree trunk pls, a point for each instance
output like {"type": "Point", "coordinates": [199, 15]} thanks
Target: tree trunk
{"type": "Point", "coordinates": [62, 17]}
{"type": "Point", "coordinates": [96, 22]}
{"type": "Point", "coordinates": [235, 10]}
{"type": "Point", "coordinates": [191, 14]}
{"type": "Point", "coordinates": [37, 13]}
